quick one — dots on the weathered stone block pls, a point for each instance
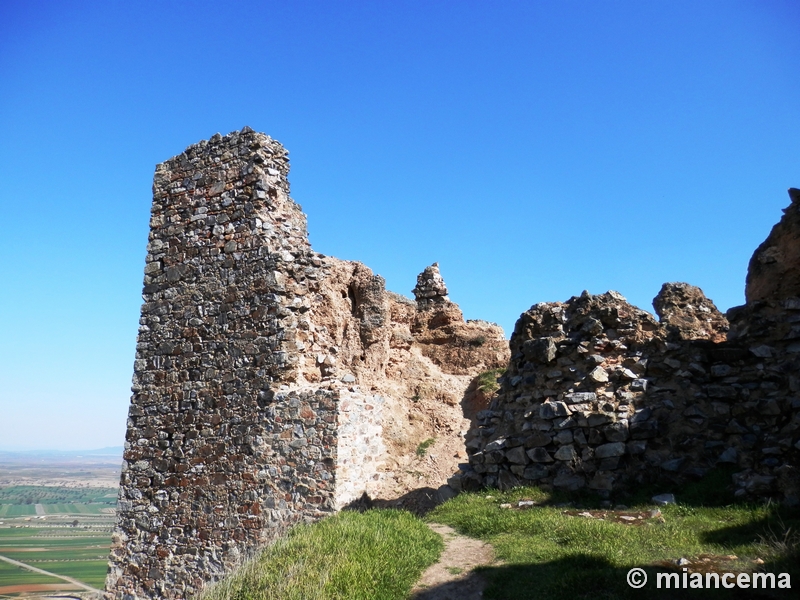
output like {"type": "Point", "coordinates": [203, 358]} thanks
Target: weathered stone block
{"type": "Point", "coordinates": [616, 432]}
{"type": "Point", "coordinates": [608, 450]}
{"type": "Point", "coordinates": [539, 455]}
{"type": "Point", "coordinates": [538, 438]}
{"type": "Point", "coordinates": [568, 481]}
{"type": "Point", "coordinates": [602, 481]}
{"type": "Point", "coordinates": [536, 472]}
{"type": "Point", "coordinates": [565, 453]}
{"type": "Point", "coordinates": [517, 456]}
{"type": "Point", "coordinates": [551, 410]}
{"type": "Point", "coordinates": [580, 397]}
{"type": "Point", "coordinates": [541, 350]}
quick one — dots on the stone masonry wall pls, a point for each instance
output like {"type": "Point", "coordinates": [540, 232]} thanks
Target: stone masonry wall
{"type": "Point", "coordinates": [217, 458]}
{"type": "Point", "coordinates": [599, 395]}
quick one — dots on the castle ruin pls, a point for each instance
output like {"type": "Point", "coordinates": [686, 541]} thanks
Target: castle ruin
{"type": "Point", "coordinates": [271, 383]}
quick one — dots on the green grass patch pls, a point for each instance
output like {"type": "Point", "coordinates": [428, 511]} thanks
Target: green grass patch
{"type": "Point", "coordinates": [44, 557]}
{"type": "Point", "coordinates": [13, 575]}
{"type": "Point", "coordinates": [56, 538]}
{"type": "Point", "coordinates": [552, 553]}
{"type": "Point", "coordinates": [17, 510]}
{"type": "Point", "coordinates": [66, 551]}
{"type": "Point", "coordinates": [378, 554]}
{"type": "Point", "coordinates": [422, 449]}
{"type": "Point", "coordinates": [487, 381]}
{"type": "Point", "coordinates": [90, 572]}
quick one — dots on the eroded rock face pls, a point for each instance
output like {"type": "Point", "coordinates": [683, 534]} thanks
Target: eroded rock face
{"type": "Point", "coordinates": [598, 395]}
{"type": "Point", "coordinates": [688, 314]}
{"type": "Point", "coordinates": [272, 384]}
{"type": "Point", "coordinates": [774, 270]}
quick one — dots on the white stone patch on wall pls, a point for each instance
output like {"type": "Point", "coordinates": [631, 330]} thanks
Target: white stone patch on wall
{"type": "Point", "coordinates": [360, 445]}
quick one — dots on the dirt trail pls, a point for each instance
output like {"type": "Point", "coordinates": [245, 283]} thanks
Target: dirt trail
{"type": "Point", "coordinates": [453, 578]}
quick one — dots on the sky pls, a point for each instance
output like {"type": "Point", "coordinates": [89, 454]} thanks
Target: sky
{"type": "Point", "coordinates": [534, 149]}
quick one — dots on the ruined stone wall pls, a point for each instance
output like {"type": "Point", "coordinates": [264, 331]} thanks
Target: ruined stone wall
{"type": "Point", "coordinates": [271, 383]}
{"type": "Point", "coordinates": [599, 395]}
{"type": "Point", "coordinates": [216, 458]}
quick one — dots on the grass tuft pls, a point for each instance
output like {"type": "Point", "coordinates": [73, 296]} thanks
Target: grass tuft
{"type": "Point", "coordinates": [477, 341]}
{"type": "Point", "coordinates": [349, 556]}
{"type": "Point", "coordinates": [422, 449]}
{"type": "Point", "coordinates": [487, 381]}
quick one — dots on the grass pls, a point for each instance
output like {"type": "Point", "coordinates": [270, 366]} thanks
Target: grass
{"type": "Point", "coordinates": [48, 557]}
{"type": "Point", "coordinates": [17, 510]}
{"type": "Point", "coordinates": [62, 539]}
{"type": "Point", "coordinates": [90, 572]}
{"type": "Point", "coordinates": [422, 449]}
{"type": "Point", "coordinates": [375, 555]}
{"type": "Point", "coordinates": [13, 575]}
{"type": "Point", "coordinates": [66, 551]}
{"type": "Point", "coordinates": [487, 381]}
{"type": "Point", "coordinates": [550, 552]}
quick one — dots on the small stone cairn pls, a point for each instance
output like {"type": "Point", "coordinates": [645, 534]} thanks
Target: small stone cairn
{"type": "Point", "coordinates": [430, 289]}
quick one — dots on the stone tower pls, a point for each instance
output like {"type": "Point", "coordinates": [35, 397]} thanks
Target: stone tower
{"type": "Point", "coordinates": [220, 455]}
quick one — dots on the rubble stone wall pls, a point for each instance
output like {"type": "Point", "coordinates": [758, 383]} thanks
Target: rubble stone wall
{"type": "Point", "coordinates": [217, 459]}
{"type": "Point", "coordinates": [600, 395]}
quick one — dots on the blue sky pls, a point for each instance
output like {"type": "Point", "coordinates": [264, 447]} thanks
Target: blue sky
{"type": "Point", "coordinates": [535, 149]}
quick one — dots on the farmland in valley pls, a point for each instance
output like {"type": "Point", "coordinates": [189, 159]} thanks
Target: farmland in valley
{"type": "Point", "coordinates": [56, 514]}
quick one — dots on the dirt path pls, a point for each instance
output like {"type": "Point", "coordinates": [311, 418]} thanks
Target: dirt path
{"type": "Point", "coordinates": [43, 572]}
{"type": "Point", "coordinates": [453, 578]}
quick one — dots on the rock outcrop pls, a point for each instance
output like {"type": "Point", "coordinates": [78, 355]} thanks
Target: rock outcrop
{"type": "Point", "coordinates": [774, 270]}
{"type": "Point", "coordinates": [272, 384]}
{"type": "Point", "coordinates": [687, 314]}
{"type": "Point", "coordinates": [599, 395]}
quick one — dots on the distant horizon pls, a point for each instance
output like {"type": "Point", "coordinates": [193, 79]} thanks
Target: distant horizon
{"type": "Point", "coordinates": [106, 450]}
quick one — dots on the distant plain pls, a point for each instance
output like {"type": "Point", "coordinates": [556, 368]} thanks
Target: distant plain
{"type": "Point", "coordinates": [57, 511]}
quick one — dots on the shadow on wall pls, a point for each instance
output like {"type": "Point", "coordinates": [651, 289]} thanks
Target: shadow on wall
{"type": "Point", "coordinates": [420, 501]}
